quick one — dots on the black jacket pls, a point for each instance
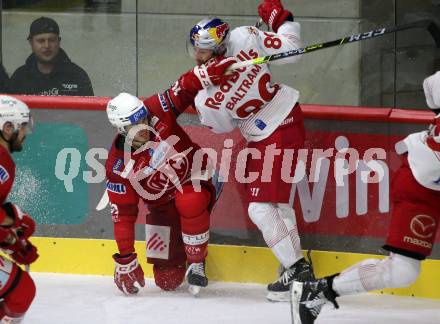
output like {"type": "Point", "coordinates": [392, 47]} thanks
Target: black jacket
{"type": "Point", "coordinates": [66, 79]}
{"type": "Point", "coordinates": [4, 80]}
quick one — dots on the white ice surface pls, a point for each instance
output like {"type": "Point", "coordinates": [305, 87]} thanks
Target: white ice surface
{"type": "Point", "coordinates": [74, 299]}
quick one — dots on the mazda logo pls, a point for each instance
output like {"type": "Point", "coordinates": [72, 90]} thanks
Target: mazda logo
{"type": "Point", "coordinates": [423, 226]}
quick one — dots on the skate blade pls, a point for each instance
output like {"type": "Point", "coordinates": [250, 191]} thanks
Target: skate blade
{"type": "Point", "coordinates": [295, 298]}
{"type": "Point", "coordinates": [194, 290]}
{"type": "Point", "coordinates": [276, 297]}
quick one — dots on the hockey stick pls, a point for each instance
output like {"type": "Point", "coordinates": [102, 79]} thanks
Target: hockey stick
{"type": "Point", "coordinates": [103, 202]}
{"type": "Point", "coordinates": [427, 24]}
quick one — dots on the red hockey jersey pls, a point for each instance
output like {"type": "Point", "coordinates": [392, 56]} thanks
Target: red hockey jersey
{"type": "Point", "coordinates": [7, 176]}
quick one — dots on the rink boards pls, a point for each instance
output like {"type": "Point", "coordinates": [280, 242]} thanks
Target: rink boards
{"type": "Point", "coordinates": [61, 183]}
{"type": "Point", "coordinates": [225, 263]}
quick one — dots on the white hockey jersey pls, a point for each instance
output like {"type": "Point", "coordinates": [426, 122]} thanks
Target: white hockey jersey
{"type": "Point", "coordinates": [431, 86]}
{"type": "Point", "coordinates": [423, 161]}
{"type": "Point", "coordinates": [251, 101]}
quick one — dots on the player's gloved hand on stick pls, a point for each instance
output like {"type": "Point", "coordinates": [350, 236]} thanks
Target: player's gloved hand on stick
{"type": "Point", "coordinates": [128, 272]}
{"type": "Point", "coordinates": [14, 237]}
{"type": "Point", "coordinates": [213, 72]}
{"type": "Point", "coordinates": [273, 14]}
{"type": "Point", "coordinates": [23, 225]}
{"type": "Point", "coordinates": [19, 249]}
{"type": "Point", "coordinates": [24, 252]}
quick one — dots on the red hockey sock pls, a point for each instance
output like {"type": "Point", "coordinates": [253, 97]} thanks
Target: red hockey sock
{"type": "Point", "coordinates": [124, 234]}
{"type": "Point", "coordinates": [194, 216]}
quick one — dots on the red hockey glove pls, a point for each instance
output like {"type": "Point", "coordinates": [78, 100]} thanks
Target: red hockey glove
{"type": "Point", "coordinates": [273, 14]}
{"type": "Point", "coordinates": [213, 72]}
{"type": "Point", "coordinates": [23, 224]}
{"type": "Point", "coordinates": [127, 272]}
{"type": "Point", "coordinates": [24, 252]}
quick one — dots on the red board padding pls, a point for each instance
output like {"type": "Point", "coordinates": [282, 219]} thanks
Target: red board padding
{"type": "Point", "coordinates": [310, 111]}
{"type": "Point", "coordinates": [346, 113]}
{"type": "Point", "coordinates": [64, 102]}
{"type": "Point", "coordinates": [411, 116]}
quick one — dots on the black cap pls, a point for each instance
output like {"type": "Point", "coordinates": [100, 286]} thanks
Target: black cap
{"type": "Point", "coordinates": [43, 25]}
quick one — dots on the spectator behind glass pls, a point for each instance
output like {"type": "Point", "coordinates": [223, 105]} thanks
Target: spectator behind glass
{"type": "Point", "coordinates": [4, 79]}
{"type": "Point", "coordinates": [48, 70]}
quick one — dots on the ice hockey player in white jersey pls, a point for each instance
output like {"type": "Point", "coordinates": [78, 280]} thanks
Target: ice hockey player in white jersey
{"type": "Point", "coordinates": [414, 223]}
{"type": "Point", "coordinates": [268, 115]}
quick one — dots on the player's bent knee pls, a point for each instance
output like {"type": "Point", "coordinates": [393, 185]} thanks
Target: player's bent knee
{"type": "Point", "coordinates": [169, 277]}
{"type": "Point", "coordinates": [403, 270]}
{"type": "Point", "coordinates": [18, 301]}
{"type": "Point", "coordinates": [259, 213]}
{"type": "Point", "coordinates": [190, 203]}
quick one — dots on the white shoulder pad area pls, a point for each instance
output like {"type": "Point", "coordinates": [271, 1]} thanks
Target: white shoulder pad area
{"type": "Point", "coordinates": [240, 37]}
{"type": "Point", "coordinates": [431, 86]}
{"type": "Point", "coordinates": [290, 27]}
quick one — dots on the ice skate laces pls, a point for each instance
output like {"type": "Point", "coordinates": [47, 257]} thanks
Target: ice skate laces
{"type": "Point", "coordinates": [196, 268]}
{"type": "Point", "coordinates": [319, 293]}
{"type": "Point", "coordinates": [287, 276]}
{"type": "Point", "coordinates": [293, 272]}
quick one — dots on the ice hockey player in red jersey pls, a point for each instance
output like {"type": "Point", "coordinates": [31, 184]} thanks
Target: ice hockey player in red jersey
{"type": "Point", "coordinates": [152, 159]}
{"type": "Point", "coordinates": [414, 223]}
{"type": "Point", "coordinates": [17, 289]}
{"type": "Point", "coordinates": [268, 115]}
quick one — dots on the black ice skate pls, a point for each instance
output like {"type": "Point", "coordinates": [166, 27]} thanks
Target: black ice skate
{"type": "Point", "coordinates": [307, 299]}
{"type": "Point", "coordinates": [279, 290]}
{"type": "Point", "coordinates": [196, 277]}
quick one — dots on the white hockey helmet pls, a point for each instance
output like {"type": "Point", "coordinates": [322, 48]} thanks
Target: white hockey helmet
{"type": "Point", "coordinates": [210, 33]}
{"type": "Point", "coordinates": [125, 110]}
{"type": "Point", "coordinates": [16, 112]}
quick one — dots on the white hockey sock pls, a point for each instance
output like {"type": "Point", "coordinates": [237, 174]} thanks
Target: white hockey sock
{"type": "Point", "coordinates": [395, 271]}
{"type": "Point", "coordinates": [278, 226]}
{"type": "Point", "coordinates": [289, 219]}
